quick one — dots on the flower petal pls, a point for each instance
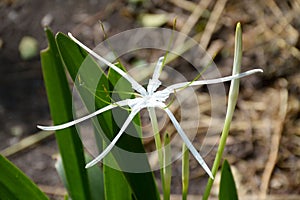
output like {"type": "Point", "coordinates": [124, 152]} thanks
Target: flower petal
{"type": "Point", "coordinates": [188, 143]}
{"type": "Point", "coordinates": [114, 141]}
{"type": "Point", "coordinates": [135, 85]}
{"type": "Point", "coordinates": [154, 83]}
{"type": "Point", "coordinates": [158, 68]}
{"type": "Point", "coordinates": [71, 123]}
{"type": "Point", "coordinates": [176, 86]}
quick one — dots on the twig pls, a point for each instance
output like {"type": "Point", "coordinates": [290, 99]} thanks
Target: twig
{"type": "Point", "coordinates": [187, 5]}
{"type": "Point", "coordinates": [53, 190]}
{"type": "Point", "coordinates": [284, 24]}
{"type": "Point", "coordinates": [212, 22]}
{"type": "Point", "coordinates": [248, 197]}
{"type": "Point", "coordinates": [26, 142]}
{"type": "Point", "coordinates": [192, 20]}
{"type": "Point", "coordinates": [275, 141]}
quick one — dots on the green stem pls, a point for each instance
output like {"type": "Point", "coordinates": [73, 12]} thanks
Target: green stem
{"type": "Point", "coordinates": [167, 170]}
{"type": "Point", "coordinates": [232, 99]}
{"type": "Point", "coordinates": [158, 145]}
{"type": "Point", "coordinates": [185, 171]}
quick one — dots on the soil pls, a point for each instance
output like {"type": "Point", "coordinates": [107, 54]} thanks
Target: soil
{"type": "Point", "coordinates": [267, 118]}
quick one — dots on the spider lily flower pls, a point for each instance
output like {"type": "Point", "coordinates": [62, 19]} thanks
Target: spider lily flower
{"type": "Point", "coordinates": [147, 98]}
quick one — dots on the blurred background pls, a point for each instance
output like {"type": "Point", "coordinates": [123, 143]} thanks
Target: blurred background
{"type": "Point", "coordinates": [264, 143]}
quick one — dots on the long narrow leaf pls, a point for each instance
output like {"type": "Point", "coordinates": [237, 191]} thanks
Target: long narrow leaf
{"type": "Point", "coordinates": [227, 184]}
{"type": "Point", "coordinates": [95, 177]}
{"type": "Point", "coordinates": [115, 185]}
{"type": "Point", "coordinates": [142, 184]}
{"type": "Point", "coordinates": [96, 181]}
{"type": "Point", "coordinates": [60, 102]}
{"type": "Point", "coordinates": [14, 184]}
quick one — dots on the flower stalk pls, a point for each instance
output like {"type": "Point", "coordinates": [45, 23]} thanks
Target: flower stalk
{"type": "Point", "coordinates": [167, 170]}
{"type": "Point", "coordinates": [232, 100]}
{"type": "Point", "coordinates": [158, 144]}
{"type": "Point", "coordinates": [185, 171]}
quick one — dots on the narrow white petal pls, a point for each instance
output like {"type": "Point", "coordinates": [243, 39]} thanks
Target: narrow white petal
{"type": "Point", "coordinates": [135, 85]}
{"type": "Point", "coordinates": [171, 88]}
{"type": "Point", "coordinates": [71, 123]}
{"type": "Point", "coordinates": [188, 143]}
{"type": "Point", "coordinates": [154, 83]}
{"type": "Point", "coordinates": [158, 69]}
{"type": "Point", "coordinates": [152, 86]}
{"type": "Point", "coordinates": [114, 141]}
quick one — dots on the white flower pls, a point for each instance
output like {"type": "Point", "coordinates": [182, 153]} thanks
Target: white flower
{"type": "Point", "coordinates": [147, 98]}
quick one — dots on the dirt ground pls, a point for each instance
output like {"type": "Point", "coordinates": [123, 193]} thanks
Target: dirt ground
{"type": "Point", "coordinates": [264, 142]}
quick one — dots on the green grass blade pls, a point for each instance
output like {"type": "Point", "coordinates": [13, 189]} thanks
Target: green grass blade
{"type": "Point", "coordinates": [227, 185]}
{"type": "Point", "coordinates": [142, 184]}
{"type": "Point", "coordinates": [14, 184]}
{"type": "Point", "coordinates": [60, 102]}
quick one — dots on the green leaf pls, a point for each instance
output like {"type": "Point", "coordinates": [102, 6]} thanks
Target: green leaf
{"type": "Point", "coordinates": [61, 172]}
{"type": "Point", "coordinates": [60, 102]}
{"type": "Point", "coordinates": [95, 176]}
{"type": "Point", "coordinates": [227, 185]}
{"type": "Point", "coordinates": [14, 184]}
{"type": "Point", "coordinates": [116, 185]}
{"type": "Point", "coordinates": [96, 181]}
{"type": "Point", "coordinates": [142, 184]}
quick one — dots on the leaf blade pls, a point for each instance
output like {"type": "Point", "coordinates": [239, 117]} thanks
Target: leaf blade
{"type": "Point", "coordinates": [14, 184]}
{"type": "Point", "coordinates": [227, 189]}
{"type": "Point", "coordinates": [138, 181]}
{"type": "Point", "coordinates": [60, 103]}
{"type": "Point", "coordinates": [142, 184]}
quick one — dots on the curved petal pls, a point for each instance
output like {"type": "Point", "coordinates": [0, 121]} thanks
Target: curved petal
{"type": "Point", "coordinates": [114, 141]}
{"type": "Point", "coordinates": [135, 85]}
{"type": "Point", "coordinates": [173, 87]}
{"type": "Point", "coordinates": [154, 83]}
{"type": "Point", "coordinates": [188, 143]}
{"type": "Point", "coordinates": [71, 123]}
{"type": "Point", "coordinates": [158, 68]}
